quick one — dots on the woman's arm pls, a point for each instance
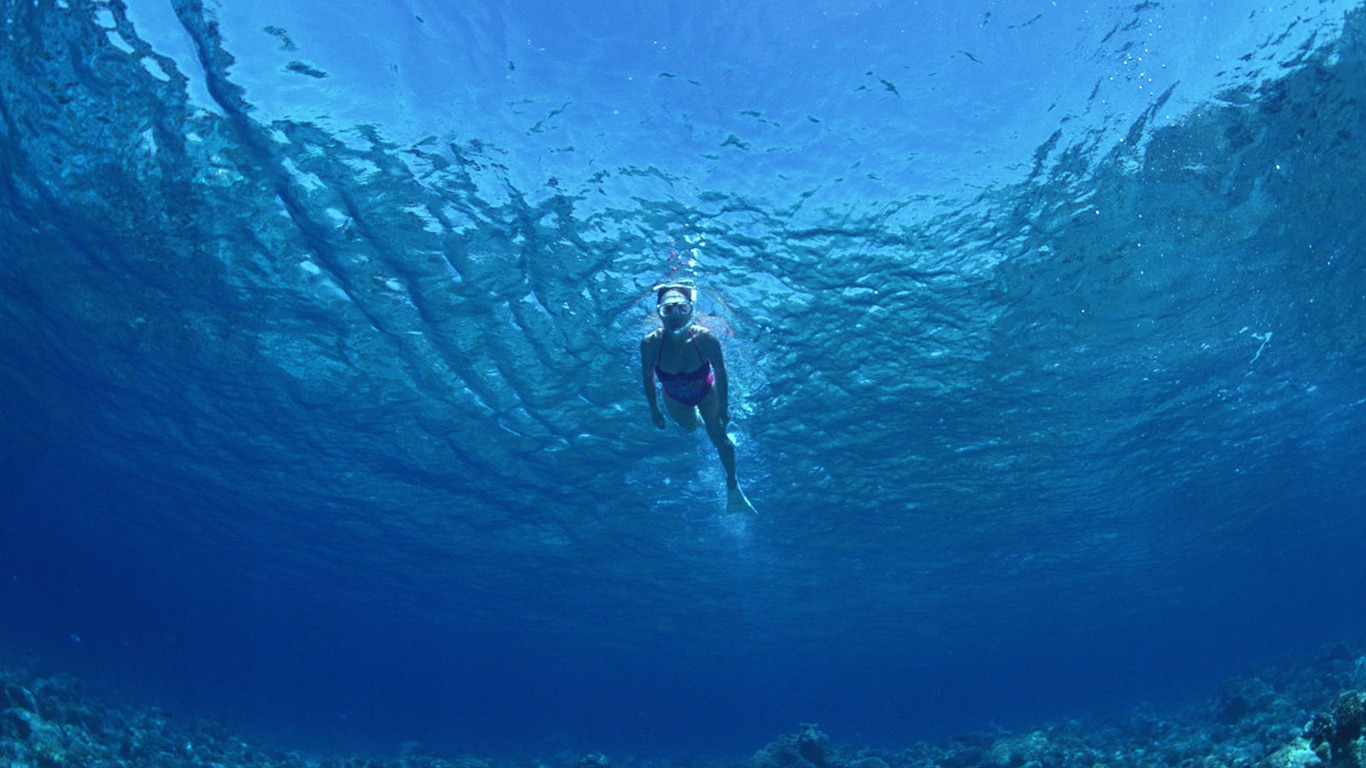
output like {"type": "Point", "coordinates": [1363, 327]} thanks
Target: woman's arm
{"type": "Point", "coordinates": [647, 379]}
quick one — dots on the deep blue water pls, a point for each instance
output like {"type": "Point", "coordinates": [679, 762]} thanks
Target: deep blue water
{"type": "Point", "coordinates": [319, 398]}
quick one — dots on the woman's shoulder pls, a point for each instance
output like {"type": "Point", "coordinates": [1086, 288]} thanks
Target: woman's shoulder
{"type": "Point", "coordinates": [652, 338]}
{"type": "Point", "coordinates": [705, 336]}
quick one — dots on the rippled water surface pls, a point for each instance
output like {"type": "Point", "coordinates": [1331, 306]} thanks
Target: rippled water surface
{"type": "Point", "coordinates": [321, 407]}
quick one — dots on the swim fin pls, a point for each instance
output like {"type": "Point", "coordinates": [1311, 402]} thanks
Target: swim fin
{"type": "Point", "coordinates": [737, 503]}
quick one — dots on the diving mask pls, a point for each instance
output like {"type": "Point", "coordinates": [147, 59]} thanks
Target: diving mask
{"type": "Point", "coordinates": [676, 313]}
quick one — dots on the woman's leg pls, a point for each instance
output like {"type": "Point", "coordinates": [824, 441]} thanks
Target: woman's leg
{"type": "Point", "coordinates": [711, 417]}
{"type": "Point", "coordinates": [684, 415]}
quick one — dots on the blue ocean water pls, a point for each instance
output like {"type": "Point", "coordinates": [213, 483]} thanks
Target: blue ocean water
{"type": "Point", "coordinates": [320, 403]}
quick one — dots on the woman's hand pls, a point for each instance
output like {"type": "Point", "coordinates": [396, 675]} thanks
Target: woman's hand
{"type": "Point", "coordinates": [657, 416]}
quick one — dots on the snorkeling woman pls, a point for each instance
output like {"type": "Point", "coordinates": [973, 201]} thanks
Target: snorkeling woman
{"type": "Point", "coordinates": [687, 360]}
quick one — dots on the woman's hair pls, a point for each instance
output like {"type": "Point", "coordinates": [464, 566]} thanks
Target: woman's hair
{"type": "Point", "coordinates": [689, 292]}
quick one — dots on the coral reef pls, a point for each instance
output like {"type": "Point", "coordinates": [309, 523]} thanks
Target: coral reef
{"type": "Point", "coordinates": [807, 748]}
{"type": "Point", "coordinates": [1336, 735]}
{"type": "Point", "coordinates": [1303, 714]}
{"type": "Point", "coordinates": [1252, 721]}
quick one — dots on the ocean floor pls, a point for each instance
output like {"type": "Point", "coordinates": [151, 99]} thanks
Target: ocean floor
{"type": "Point", "coordinates": [1298, 713]}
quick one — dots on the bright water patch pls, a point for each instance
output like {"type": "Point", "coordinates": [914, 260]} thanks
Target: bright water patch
{"type": "Point", "coordinates": [320, 379]}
